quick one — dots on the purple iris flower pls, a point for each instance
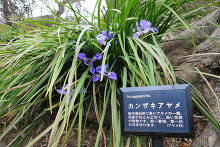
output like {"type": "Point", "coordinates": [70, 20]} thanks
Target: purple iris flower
{"type": "Point", "coordinates": [143, 28]}
{"type": "Point", "coordinates": [97, 75]}
{"type": "Point", "coordinates": [89, 61]}
{"type": "Point", "coordinates": [101, 39]}
{"type": "Point", "coordinates": [64, 91]}
{"type": "Point", "coordinates": [109, 34]}
{"type": "Point", "coordinates": [104, 36]}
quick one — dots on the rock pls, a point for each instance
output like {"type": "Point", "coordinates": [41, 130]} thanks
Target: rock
{"type": "Point", "coordinates": [3, 144]}
{"type": "Point", "coordinates": [182, 45]}
{"type": "Point", "coordinates": [187, 73]}
{"type": "Point", "coordinates": [185, 57]}
{"type": "Point", "coordinates": [209, 138]}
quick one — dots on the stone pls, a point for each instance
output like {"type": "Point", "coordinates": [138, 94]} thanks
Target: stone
{"type": "Point", "coordinates": [209, 138]}
{"type": "Point", "coordinates": [3, 144]}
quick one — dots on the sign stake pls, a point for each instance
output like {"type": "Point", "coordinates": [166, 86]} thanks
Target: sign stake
{"type": "Point", "coordinates": [157, 141]}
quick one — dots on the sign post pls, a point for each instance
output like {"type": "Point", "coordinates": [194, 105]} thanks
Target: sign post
{"type": "Point", "coordinates": [157, 141]}
{"type": "Point", "coordinates": [157, 111]}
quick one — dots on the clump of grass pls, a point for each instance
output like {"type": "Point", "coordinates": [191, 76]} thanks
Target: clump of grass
{"type": "Point", "coordinates": [47, 58]}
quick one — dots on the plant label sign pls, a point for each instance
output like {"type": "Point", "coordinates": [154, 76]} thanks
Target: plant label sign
{"type": "Point", "coordinates": [157, 110]}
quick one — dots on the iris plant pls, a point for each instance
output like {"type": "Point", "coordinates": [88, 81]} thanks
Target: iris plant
{"type": "Point", "coordinates": [143, 28]}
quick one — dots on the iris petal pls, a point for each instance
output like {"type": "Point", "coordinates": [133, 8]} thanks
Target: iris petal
{"type": "Point", "coordinates": [112, 75]}
{"type": "Point", "coordinates": [146, 30]}
{"type": "Point", "coordinates": [82, 56]}
{"type": "Point", "coordinates": [110, 35]}
{"type": "Point", "coordinates": [105, 33]}
{"type": "Point", "coordinates": [145, 24]}
{"type": "Point", "coordinates": [154, 29]}
{"type": "Point", "coordinates": [88, 62]}
{"type": "Point", "coordinates": [103, 43]}
{"type": "Point", "coordinates": [60, 91]}
{"type": "Point", "coordinates": [104, 36]}
{"type": "Point", "coordinates": [97, 57]}
{"type": "Point", "coordinates": [70, 98]}
{"type": "Point", "coordinates": [137, 34]}
{"type": "Point", "coordinates": [96, 78]}
{"type": "Point", "coordinates": [92, 70]}
{"type": "Point", "coordinates": [137, 25]}
{"type": "Point", "coordinates": [99, 68]}
{"type": "Point", "coordinates": [101, 38]}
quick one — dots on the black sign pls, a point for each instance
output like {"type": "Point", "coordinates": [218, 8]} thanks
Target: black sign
{"type": "Point", "coordinates": [157, 110]}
